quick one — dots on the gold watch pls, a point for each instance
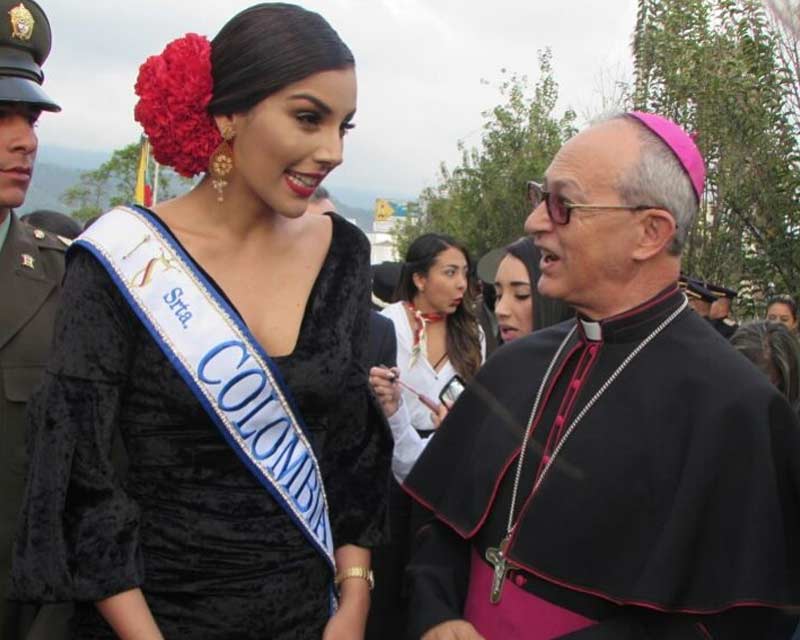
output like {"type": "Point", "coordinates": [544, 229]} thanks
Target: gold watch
{"type": "Point", "coordinates": [355, 572]}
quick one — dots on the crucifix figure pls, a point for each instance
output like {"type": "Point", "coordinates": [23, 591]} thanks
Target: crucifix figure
{"type": "Point", "coordinates": [495, 556]}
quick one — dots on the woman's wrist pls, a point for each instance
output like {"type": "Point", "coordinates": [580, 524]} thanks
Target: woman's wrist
{"type": "Point", "coordinates": [353, 578]}
{"type": "Point", "coordinates": [354, 585]}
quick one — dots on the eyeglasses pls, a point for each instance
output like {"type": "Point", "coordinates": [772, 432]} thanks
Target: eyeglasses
{"type": "Point", "coordinates": [559, 210]}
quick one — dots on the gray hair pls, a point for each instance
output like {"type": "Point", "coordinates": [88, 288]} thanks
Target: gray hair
{"type": "Point", "coordinates": [659, 179]}
{"type": "Point", "coordinates": [773, 349]}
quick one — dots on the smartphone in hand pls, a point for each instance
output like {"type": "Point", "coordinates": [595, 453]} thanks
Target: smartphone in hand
{"type": "Point", "coordinates": [450, 392]}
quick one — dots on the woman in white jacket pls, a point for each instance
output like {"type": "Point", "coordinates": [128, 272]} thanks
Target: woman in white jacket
{"type": "Point", "coordinates": [438, 338]}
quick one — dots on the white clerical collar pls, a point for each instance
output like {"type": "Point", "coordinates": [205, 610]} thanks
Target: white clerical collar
{"type": "Point", "coordinates": [592, 330]}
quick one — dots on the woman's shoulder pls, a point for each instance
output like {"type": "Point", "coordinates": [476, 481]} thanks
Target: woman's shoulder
{"type": "Point", "coordinates": [84, 271]}
{"type": "Point", "coordinates": [346, 235]}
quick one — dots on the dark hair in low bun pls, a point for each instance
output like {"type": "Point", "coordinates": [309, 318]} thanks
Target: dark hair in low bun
{"type": "Point", "coordinates": [266, 48]}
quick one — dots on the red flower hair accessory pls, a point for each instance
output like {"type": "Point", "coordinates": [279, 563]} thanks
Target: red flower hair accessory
{"type": "Point", "coordinates": [174, 90]}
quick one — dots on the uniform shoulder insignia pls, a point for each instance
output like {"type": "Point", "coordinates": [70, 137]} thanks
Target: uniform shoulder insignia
{"type": "Point", "coordinates": [50, 240]}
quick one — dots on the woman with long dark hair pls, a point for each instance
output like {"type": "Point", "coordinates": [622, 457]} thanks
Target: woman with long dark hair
{"type": "Point", "coordinates": [519, 307]}
{"type": "Point", "coordinates": [222, 334]}
{"type": "Point", "coordinates": [775, 350]}
{"type": "Point", "coordinates": [438, 337]}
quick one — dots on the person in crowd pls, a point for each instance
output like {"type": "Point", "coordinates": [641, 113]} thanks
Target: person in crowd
{"type": "Point", "coordinates": [55, 222]}
{"type": "Point", "coordinates": [223, 334]}
{"type": "Point", "coordinates": [519, 308]}
{"type": "Point", "coordinates": [31, 269]}
{"type": "Point", "coordinates": [386, 613]}
{"type": "Point", "coordinates": [783, 309]}
{"type": "Point", "coordinates": [775, 350]}
{"type": "Point", "coordinates": [720, 312]}
{"type": "Point", "coordinates": [438, 337]}
{"type": "Point", "coordinates": [320, 201]}
{"type": "Point", "coordinates": [627, 475]}
{"type": "Point", "coordinates": [385, 278]}
{"type": "Point", "coordinates": [485, 301]}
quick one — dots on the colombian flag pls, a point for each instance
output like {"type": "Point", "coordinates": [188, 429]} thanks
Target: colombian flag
{"type": "Point", "coordinates": [143, 193]}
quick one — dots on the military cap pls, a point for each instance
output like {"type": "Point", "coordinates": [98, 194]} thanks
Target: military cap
{"type": "Point", "coordinates": [24, 46]}
{"type": "Point", "coordinates": [697, 290]}
{"type": "Point", "coordinates": [385, 278]}
{"type": "Point", "coordinates": [721, 292]}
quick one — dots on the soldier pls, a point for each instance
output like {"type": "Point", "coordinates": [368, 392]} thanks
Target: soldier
{"type": "Point", "coordinates": [31, 269]}
{"type": "Point", "coordinates": [720, 312]}
{"type": "Point", "coordinates": [700, 298]}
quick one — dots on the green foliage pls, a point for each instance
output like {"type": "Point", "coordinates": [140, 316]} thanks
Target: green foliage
{"type": "Point", "coordinates": [111, 184]}
{"type": "Point", "coordinates": [711, 65]}
{"type": "Point", "coordinates": [482, 201]}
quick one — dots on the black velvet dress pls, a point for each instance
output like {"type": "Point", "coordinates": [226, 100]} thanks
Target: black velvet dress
{"type": "Point", "coordinates": [214, 554]}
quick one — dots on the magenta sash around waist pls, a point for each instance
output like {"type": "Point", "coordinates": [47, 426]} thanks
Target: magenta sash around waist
{"type": "Point", "coordinates": [519, 615]}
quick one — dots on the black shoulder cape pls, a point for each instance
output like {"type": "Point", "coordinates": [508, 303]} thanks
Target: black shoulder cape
{"type": "Point", "coordinates": [679, 490]}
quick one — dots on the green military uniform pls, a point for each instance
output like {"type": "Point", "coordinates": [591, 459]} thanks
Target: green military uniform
{"type": "Point", "coordinates": [31, 270]}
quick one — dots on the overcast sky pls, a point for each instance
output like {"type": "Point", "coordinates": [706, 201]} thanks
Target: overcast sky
{"type": "Point", "coordinates": [419, 62]}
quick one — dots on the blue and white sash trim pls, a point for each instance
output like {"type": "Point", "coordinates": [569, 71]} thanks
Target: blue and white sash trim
{"type": "Point", "coordinates": [220, 361]}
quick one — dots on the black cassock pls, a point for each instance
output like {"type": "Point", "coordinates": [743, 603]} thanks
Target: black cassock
{"type": "Point", "coordinates": [673, 509]}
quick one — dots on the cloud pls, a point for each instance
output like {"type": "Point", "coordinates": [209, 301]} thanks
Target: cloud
{"type": "Point", "coordinates": [420, 65]}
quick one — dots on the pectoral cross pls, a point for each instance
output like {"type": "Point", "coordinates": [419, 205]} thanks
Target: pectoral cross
{"type": "Point", "coordinates": [496, 557]}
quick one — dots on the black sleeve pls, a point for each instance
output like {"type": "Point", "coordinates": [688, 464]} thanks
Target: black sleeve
{"type": "Point", "coordinates": [78, 535]}
{"type": "Point", "coordinates": [382, 350]}
{"type": "Point", "coordinates": [357, 461]}
{"type": "Point", "coordinates": [389, 345]}
{"type": "Point", "coordinates": [438, 575]}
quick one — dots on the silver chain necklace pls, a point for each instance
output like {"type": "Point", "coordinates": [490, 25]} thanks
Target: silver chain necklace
{"type": "Point", "coordinates": [496, 555]}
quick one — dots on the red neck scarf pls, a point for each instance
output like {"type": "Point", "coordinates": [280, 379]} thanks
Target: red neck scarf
{"type": "Point", "coordinates": [421, 322]}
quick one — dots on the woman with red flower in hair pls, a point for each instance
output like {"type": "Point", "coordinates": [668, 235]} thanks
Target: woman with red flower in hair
{"type": "Point", "coordinates": [257, 460]}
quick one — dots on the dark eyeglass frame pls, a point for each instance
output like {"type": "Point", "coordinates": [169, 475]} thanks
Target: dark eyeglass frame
{"type": "Point", "coordinates": [559, 211]}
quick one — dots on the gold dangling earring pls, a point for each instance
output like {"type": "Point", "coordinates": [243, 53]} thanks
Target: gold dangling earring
{"type": "Point", "coordinates": [220, 164]}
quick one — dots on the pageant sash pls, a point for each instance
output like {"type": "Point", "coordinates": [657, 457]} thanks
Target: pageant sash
{"type": "Point", "coordinates": [220, 361]}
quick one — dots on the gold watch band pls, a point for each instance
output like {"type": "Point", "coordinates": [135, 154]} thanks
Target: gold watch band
{"type": "Point", "coordinates": [355, 572]}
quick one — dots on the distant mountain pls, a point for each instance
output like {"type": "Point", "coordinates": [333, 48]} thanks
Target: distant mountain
{"type": "Point", "coordinates": [58, 168]}
{"type": "Point", "coordinates": [80, 159]}
{"type": "Point", "coordinates": [360, 203]}
{"type": "Point", "coordinates": [363, 217]}
{"type": "Point", "coordinates": [49, 182]}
